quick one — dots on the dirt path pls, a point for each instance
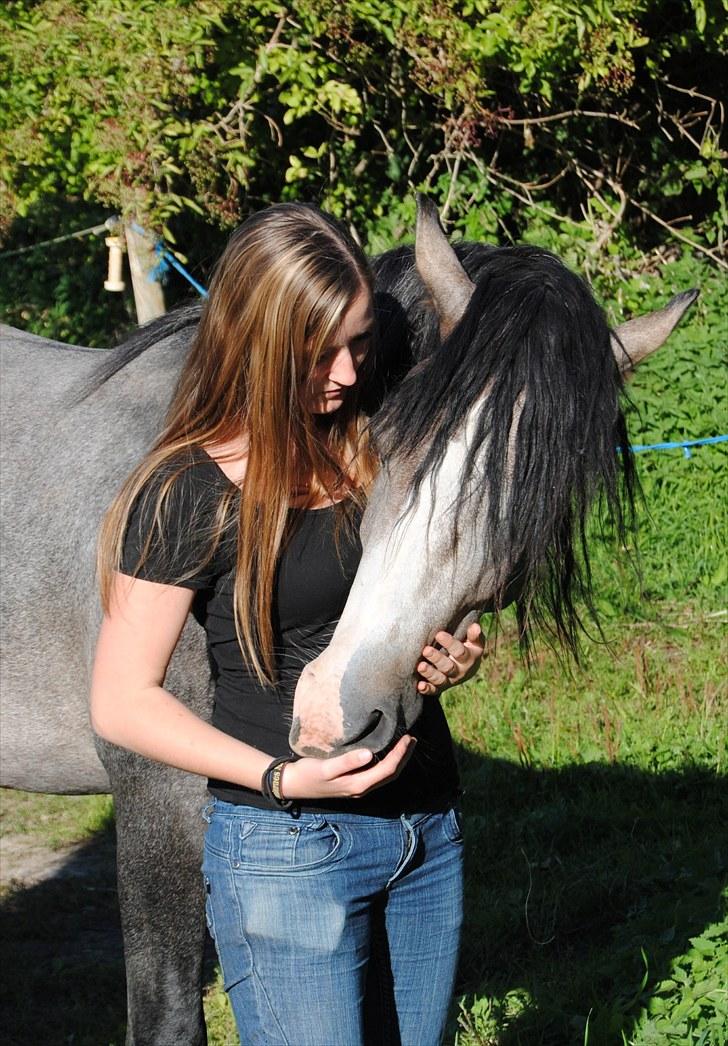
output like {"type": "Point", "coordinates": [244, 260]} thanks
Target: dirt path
{"type": "Point", "coordinates": [26, 860]}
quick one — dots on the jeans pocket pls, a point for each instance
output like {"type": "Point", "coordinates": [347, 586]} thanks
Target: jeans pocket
{"type": "Point", "coordinates": [452, 825]}
{"type": "Point", "coordinates": [287, 849]}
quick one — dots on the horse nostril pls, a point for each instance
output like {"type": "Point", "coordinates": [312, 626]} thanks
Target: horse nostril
{"type": "Point", "coordinates": [371, 725]}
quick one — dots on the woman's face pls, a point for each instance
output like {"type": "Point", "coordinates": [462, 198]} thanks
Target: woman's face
{"type": "Point", "coordinates": [336, 370]}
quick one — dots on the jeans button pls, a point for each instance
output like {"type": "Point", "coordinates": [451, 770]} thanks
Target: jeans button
{"type": "Point", "coordinates": [294, 831]}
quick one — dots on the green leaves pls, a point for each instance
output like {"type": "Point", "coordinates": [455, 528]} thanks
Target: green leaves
{"type": "Point", "coordinates": [691, 1005]}
{"type": "Point", "coordinates": [563, 109]}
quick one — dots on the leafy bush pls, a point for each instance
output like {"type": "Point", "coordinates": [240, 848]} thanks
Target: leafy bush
{"type": "Point", "coordinates": [585, 113]}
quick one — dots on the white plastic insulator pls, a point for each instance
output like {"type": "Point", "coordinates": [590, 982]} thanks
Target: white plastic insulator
{"type": "Point", "coordinates": [115, 280]}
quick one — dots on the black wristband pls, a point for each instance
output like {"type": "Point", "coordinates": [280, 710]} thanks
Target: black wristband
{"type": "Point", "coordinates": [270, 784]}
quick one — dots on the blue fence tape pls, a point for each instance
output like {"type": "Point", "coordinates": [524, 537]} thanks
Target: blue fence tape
{"type": "Point", "coordinates": [684, 445]}
{"type": "Point", "coordinates": [167, 259]}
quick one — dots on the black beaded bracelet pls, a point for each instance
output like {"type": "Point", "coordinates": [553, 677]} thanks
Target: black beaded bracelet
{"type": "Point", "coordinates": [270, 784]}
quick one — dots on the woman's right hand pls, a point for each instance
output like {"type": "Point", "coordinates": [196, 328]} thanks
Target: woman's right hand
{"type": "Point", "coordinates": [347, 776]}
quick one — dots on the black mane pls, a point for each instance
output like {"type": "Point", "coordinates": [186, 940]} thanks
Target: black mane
{"type": "Point", "coordinates": [533, 330]}
{"type": "Point", "coordinates": [183, 319]}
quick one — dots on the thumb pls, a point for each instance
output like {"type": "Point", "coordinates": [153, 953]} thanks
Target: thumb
{"type": "Point", "coordinates": [348, 762]}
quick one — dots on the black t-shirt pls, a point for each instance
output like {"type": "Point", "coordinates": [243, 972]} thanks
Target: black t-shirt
{"type": "Point", "coordinates": [312, 582]}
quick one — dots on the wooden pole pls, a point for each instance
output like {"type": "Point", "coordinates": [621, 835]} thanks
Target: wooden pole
{"type": "Point", "coordinates": [148, 293]}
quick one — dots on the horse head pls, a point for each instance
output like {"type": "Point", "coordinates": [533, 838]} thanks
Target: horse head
{"type": "Point", "coordinates": [493, 448]}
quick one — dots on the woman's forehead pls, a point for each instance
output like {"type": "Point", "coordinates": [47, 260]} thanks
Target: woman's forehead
{"type": "Point", "coordinates": [359, 316]}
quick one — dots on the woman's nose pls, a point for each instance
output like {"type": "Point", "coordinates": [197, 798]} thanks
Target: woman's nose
{"type": "Point", "coordinates": [343, 371]}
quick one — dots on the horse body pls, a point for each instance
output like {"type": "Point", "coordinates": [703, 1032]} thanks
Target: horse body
{"type": "Point", "coordinates": [64, 456]}
{"type": "Point", "coordinates": [71, 433]}
{"type": "Point", "coordinates": [46, 742]}
{"type": "Point", "coordinates": [62, 461]}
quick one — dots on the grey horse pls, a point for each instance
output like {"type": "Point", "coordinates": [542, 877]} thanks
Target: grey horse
{"type": "Point", "coordinates": [73, 428]}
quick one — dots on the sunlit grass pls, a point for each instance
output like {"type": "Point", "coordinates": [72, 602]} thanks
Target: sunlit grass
{"type": "Point", "coordinates": [57, 819]}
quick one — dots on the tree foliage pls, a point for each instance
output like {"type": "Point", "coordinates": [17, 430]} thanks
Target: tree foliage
{"type": "Point", "coordinates": [601, 118]}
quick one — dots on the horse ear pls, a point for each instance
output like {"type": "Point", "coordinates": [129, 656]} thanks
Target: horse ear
{"type": "Point", "coordinates": [449, 285]}
{"type": "Point", "coordinates": [634, 340]}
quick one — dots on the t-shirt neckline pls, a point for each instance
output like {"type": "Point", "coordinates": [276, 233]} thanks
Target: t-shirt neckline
{"type": "Point", "coordinates": [208, 457]}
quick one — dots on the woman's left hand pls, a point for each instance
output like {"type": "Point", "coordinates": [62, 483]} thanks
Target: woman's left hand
{"type": "Point", "coordinates": [457, 661]}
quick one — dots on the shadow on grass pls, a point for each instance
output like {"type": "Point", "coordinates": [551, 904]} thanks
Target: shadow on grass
{"type": "Point", "coordinates": [62, 972]}
{"type": "Point", "coordinates": [571, 876]}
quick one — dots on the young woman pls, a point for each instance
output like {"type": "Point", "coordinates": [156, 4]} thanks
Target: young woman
{"type": "Point", "coordinates": [333, 886]}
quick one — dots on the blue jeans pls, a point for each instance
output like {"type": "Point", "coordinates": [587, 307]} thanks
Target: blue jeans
{"type": "Point", "coordinates": [336, 929]}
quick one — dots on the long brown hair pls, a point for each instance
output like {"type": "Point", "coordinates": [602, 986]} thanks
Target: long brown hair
{"type": "Point", "coordinates": [278, 295]}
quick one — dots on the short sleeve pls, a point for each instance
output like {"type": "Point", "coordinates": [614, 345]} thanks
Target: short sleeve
{"type": "Point", "coordinates": [176, 541]}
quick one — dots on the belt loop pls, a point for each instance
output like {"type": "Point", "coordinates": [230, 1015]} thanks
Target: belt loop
{"type": "Point", "coordinates": [207, 809]}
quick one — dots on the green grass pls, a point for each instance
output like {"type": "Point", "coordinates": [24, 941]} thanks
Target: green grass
{"type": "Point", "coordinates": [57, 819]}
{"type": "Point", "coordinates": [595, 841]}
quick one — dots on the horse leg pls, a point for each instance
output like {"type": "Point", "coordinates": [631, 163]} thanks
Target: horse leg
{"type": "Point", "coordinates": [159, 852]}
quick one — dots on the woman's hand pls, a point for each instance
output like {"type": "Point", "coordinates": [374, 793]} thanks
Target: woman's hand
{"type": "Point", "coordinates": [347, 776]}
{"type": "Point", "coordinates": [457, 661]}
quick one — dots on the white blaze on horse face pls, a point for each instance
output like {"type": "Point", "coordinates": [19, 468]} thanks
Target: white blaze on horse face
{"type": "Point", "coordinates": [412, 581]}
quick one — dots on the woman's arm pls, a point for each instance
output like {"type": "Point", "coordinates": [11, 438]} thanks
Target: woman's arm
{"type": "Point", "coordinates": [130, 707]}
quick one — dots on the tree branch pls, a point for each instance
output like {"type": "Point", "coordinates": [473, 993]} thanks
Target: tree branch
{"type": "Point", "coordinates": [554, 117]}
{"type": "Point", "coordinates": [714, 257]}
{"type": "Point", "coordinates": [509, 184]}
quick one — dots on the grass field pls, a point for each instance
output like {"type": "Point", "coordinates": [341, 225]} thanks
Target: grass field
{"type": "Point", "coordinates": [596, 799]}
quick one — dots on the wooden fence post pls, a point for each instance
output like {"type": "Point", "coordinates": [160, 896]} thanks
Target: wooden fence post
{"type": "Point", "coordinates": [148, 294]}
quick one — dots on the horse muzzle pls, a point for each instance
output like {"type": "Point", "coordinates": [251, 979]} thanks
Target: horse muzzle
{"type": "Point", "coordinates": [376, 732]}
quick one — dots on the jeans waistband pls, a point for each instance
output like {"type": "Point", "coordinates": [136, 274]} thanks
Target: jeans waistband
{"type": "Point", "coordinates": [369, 812]}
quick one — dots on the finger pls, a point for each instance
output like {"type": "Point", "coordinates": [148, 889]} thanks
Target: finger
{"type": "Point", "coordinates": [347, 763]}
{"type": "Point", "coordinates": [455, 649]}
{"type": "Point", "coordinates": [433, 674]}
{"type": "Point", "coordinates": [441, 661]}
{"type": "Point", "coordinates": [475, 637]}
{"type": "Point", "coordinates": [387, 769]}
{"type": "Point", "coordinates": [379, 773]}
{"type": "Point", "coordinates": [426, 688]}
